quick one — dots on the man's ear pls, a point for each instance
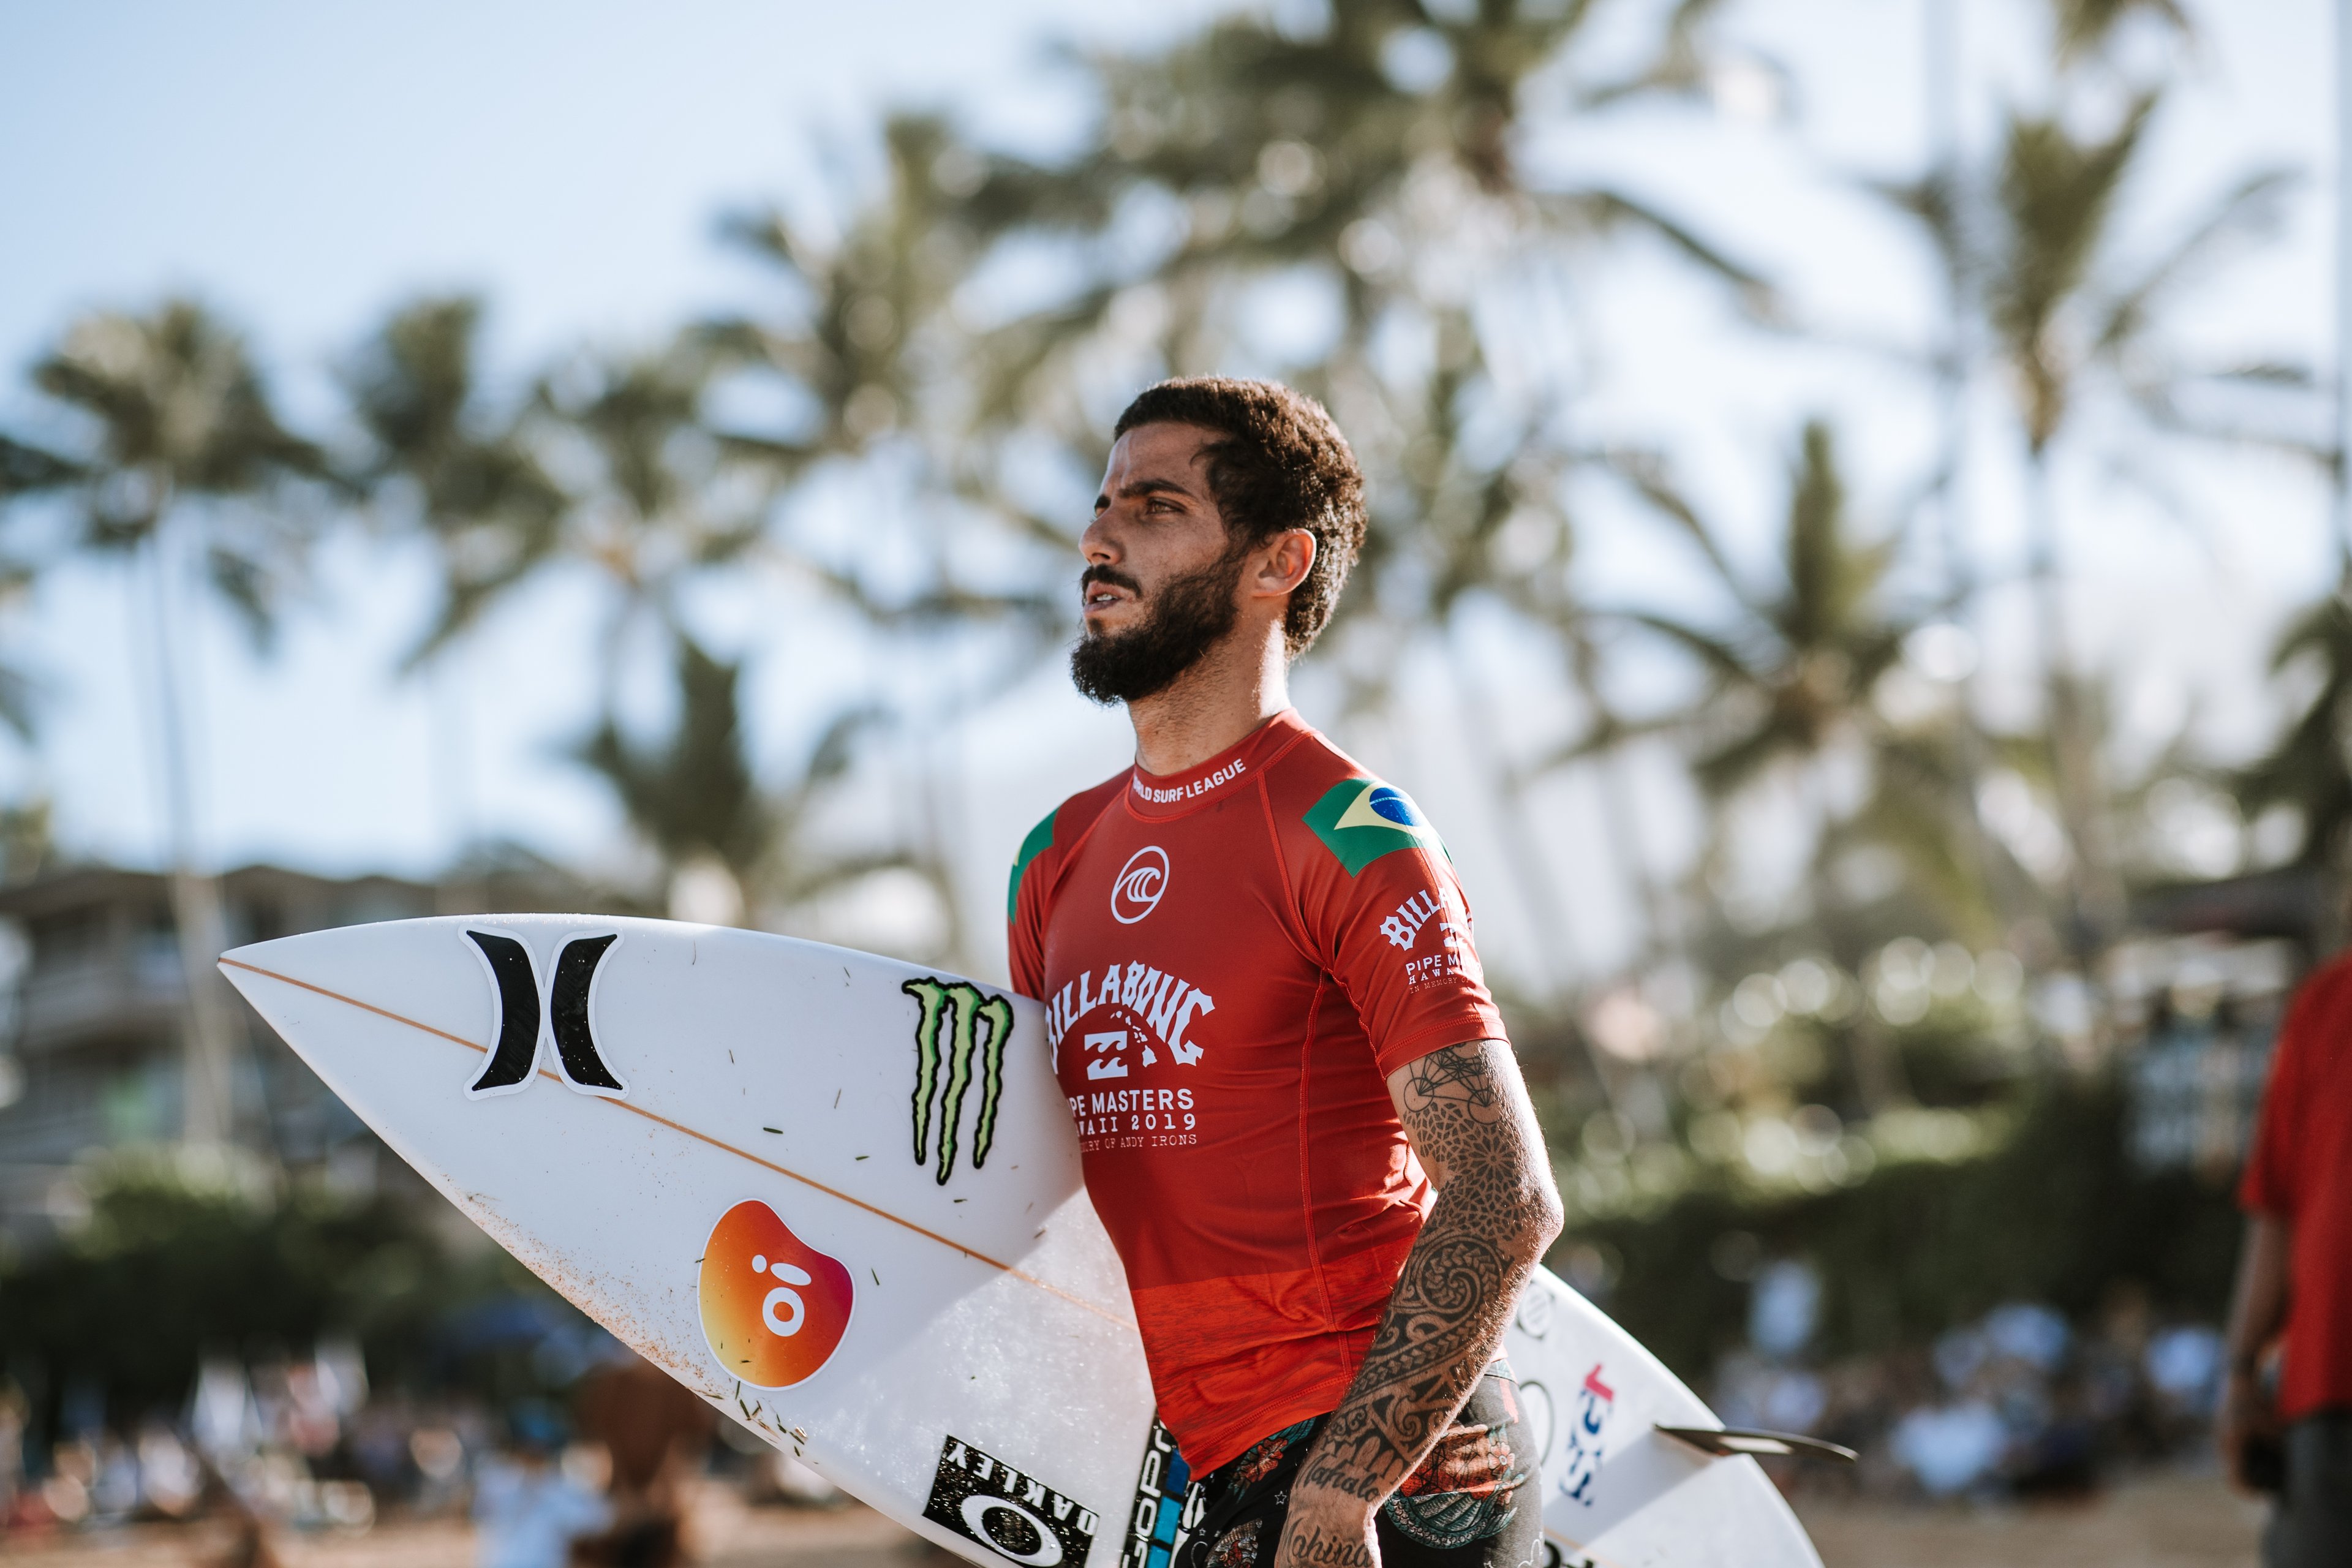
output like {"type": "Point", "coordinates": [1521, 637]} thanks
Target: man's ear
{"type": "Point", "coordinates": [1281, 563]}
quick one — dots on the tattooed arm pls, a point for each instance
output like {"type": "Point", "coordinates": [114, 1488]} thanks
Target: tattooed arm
{"type": "Point", "coordinates": [1467, 1112]}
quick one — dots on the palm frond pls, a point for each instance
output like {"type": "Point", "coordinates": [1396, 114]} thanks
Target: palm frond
{"type": "Point", "coordinates": [1647, 473]}
{"type": "Point", "coordinates": [2254, 209]}
{"type": "Point", "coordinates": [26, 469]}
{"type": "Point", "coordinates": [1602, 210]}
{"type": "Point", "coordinates": [2084, 26]}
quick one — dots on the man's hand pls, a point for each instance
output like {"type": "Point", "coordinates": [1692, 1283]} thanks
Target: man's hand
{"type": "Point", "coordinates": [1467, 1112]}
{"type": "Point", "coordinates": [2242, 1415]}
{"type": "Point", "coordinates": [1328, 1527]}
{"type": "Point", "coordinates": [2257, 1306]}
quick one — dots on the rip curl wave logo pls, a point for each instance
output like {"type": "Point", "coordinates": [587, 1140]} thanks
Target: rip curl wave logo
{"type": "Point", "coordinates": [774, 1308]}
{"type": "Point", "coordinates": [949, 1047]}
{"type": "Point", "coordinates": [1137, 891]}
{"type": "Point", "coordinates": [536, 1022]}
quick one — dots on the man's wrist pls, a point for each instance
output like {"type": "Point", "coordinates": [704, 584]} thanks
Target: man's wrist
{"type": "Point", "coordinates": [1334, 1496]}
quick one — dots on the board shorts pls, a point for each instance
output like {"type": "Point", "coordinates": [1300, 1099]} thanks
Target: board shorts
{"type": "Point", "coordinates": [2311, 1525]}
{"type": "Point", "coordinates": [1468, 1505]}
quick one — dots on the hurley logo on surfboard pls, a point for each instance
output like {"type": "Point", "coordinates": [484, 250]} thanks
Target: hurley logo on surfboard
{"type": "Point", "coordinates": [774, 1307]}
{"type": "Point", "coordinates": [950, 1045]}
{"type": "Point", "coordinates": [563, 1028]}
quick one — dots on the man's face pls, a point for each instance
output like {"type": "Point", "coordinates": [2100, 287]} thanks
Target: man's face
{"type": "Point", "coordinates": [1161, 586]}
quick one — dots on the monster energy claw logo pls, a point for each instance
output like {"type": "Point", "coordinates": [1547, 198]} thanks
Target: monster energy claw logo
{"type": "Point", "coordinates": [971, 1007]}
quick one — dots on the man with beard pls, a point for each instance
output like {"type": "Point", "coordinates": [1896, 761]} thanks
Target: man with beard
{"type": "Point", "coordinates": [1299, 1118]}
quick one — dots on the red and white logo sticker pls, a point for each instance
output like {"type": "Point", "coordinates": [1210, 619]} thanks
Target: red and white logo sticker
{"type": "Point", "coordinates": [1587, 1435]}
{"type": "Point", "coordinates": [774, 1307]}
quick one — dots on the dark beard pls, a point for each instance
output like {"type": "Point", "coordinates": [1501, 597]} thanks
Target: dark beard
{"type": "Point", "coordinates": [1185, 619]}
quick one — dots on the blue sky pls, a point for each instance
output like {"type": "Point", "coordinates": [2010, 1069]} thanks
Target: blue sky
{"type": "Point", "coordinates": [307, 166]}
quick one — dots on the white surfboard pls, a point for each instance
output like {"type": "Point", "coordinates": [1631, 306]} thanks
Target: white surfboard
{"type": "Point", "coordinates": [839, 1197]}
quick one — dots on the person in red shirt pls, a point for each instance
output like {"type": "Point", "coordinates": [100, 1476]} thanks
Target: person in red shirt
{"type": "Point", "coordinates": [1299, 1118]}
{"type": "Point", "coordinates": [2295, 1274]}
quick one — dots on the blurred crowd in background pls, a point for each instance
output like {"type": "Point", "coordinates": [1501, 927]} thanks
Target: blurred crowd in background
{"type": "Point", "coordinates": [600, 1469]}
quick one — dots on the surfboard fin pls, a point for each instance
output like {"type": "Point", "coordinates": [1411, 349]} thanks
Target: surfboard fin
{"type": "Point", "coordinates": [1724, 1442]}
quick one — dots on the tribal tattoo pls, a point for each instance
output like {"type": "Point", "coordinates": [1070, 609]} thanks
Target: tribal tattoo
{"type": "Point", "coordinates": [1466, 1111]}
{"type": "Point", "coordinates": [1319, 1548]}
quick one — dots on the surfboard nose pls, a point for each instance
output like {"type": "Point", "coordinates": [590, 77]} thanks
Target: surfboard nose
{"type": "Point", "coordinates": [315, 988]}
{"type": "Point", "coordinates": [278, 979]}
{"type": "Point", "coordinates": [259, 969]}
{"type": "Point", "coordinates": [240, 962]}
{"type": "Point", "coordinates": [319, 963]}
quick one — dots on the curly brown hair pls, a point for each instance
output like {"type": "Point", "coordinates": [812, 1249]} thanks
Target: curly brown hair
{"type": "Point", "coordinates": [1279, 463]}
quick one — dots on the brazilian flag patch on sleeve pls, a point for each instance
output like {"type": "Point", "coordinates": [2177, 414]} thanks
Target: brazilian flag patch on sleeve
{"type": "Point", "coordinates": [1041, 838]}
{"type": "Point", "coordinates": [1363, 819]}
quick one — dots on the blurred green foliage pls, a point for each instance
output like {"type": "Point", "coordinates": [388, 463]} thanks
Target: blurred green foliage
{"type": "Point", "coordinates": [185, 1257]}
{"type": "Point", "coordinates": [2056, 1214]}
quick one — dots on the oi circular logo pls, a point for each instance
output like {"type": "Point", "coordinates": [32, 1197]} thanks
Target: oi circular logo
{"type": "Point", "coordinates": [1136, 891]}
{"type": "Point", "coordinates": [774, 1307]}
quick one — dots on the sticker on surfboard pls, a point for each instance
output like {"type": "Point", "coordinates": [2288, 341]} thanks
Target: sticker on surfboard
{"type": "Point", "coordinates": [1016, 1516]}
{"type": "Point", "coordinates": [774, 1307]}
{"type": "Point", "coordinates": [1587, 1432]}
{"type": "Point", "coordinates": [536, 1022]}
{"type": "Point", "coordinates": [959, 1038]}
{"type": "Point", "coordinates": [1167, 1505]}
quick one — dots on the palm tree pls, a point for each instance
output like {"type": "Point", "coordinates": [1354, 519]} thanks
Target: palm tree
{"type": "Point", "coordinates": [694, 797]}
{"type": "Point", "coordinates": [653, 499]}
{"type": "Point", "coordinates": [18, 687]}
{"type": "Point", "coordinates": [445, 461]}
{"type": "Point", "coordinates": [1943, 201]}
{"type": "Point", "coordinates": [1792, 674]}
{"type": "Point", "coordinates": [2086, 26]}
{"type": "Point", "coordinates": [2055, 323]}
{"type": "Point", "coordinates": [650, 501]}
{"type": "Point", "coordinates": [2306, 769]}
{"type": "Point", "coordinates": [24, 841]}
{"type": "Point", "coordinates": [440, 460]}
{"type": "Point", "coordinates": [2028, 241]}
{"type": "Point", "coordinates": [185, 456]}
{"type": "Point", "coordinates": [659, 499]}
{"type": "Point", "coordinates": [650, 497]}
{"type": "Point", "coordinates": [866, 341]}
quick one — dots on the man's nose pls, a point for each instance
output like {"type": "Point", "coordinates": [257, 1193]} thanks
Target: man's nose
{"type": "Point", "coordinates": [1096, 545]}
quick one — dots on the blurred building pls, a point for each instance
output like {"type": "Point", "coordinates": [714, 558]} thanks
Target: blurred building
{"type": "Point", "coordinates": [2201, 987]}
{"type": "Point", "coordinates": [92, 998]}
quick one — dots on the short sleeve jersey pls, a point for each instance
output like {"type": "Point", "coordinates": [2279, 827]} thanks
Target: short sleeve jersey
{"type": "Point", "coordinates": [2300, 1171]}
{"type": "Point", "coordinates": [1233, 961]}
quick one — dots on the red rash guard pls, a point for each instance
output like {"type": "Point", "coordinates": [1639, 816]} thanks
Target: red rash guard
{"type": "Point", "coordinates": [1233, 961]}
{"type": "Point", "coordinates": [2300, 1171]}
